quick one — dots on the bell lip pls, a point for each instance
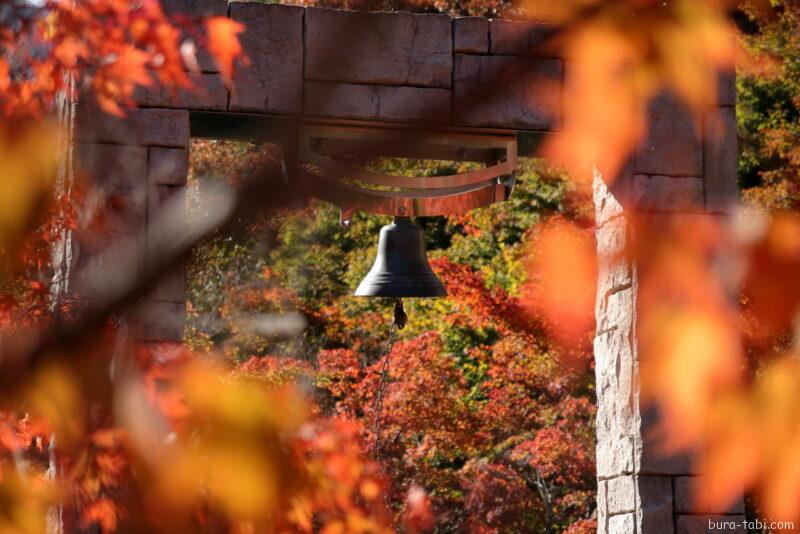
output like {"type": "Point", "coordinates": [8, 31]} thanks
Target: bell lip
{"type": "Point", "coordinates": [405, 294]}
{"type": "Point", "coordinates": [429, 287]}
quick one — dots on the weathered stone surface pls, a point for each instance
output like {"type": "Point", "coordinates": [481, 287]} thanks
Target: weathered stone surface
{"type": "Point", "coordinates": [614, 456]}
{"type": "Point", "coordinates": [666, 193]}
{"type": "Point", "coordinates": [686, 501]}
{"type": "Point", "coordinates": [614, 269]}
{"type": "Point", "coordinates": [621, 495]}
{"type": "Point", "coordinates": [143, 127]}
{"type": "Point", "coordinates": [160, 321]}
{"type": "Point", "coordinates": [172, 285]}
{"type": "Point", "coordinates": [376, 102]}
{"type": "Point", "coordinates": [602, 508]}
{"type": "Point", "coordinates": [703, 524]}
{"type": "Point", "coordinates": [378, 48]}
{"type": "Point", "coordinates": [508, 92]}
{"type": "Point", "coordinates": [719, 160]}
{"type": "Point", "coordinates": [654, 509]}
{"type": "Point", "coordinates": [114, 247]}
{"type": "Point", "coordinates": [610, 200]}
{"type": "Point", "coordinates": [621, 524]}
{"type": "Point", "coordinates": [273, 40]}
{"type": "Point", "coordinates": [616, 421]}
{"type": "Point", "coordinates": [512, 38]}
{"type": "Point", "coordinates": [471, 34]}
{"type": "Point", "coordinates": [196, 9]}
{"type": "Point", "coordinates": [672, 146]}
{"type": "Point", "coordinates": [654, 520]}
{"type": "Point", "coordinates": [119, 174]}
{"type": "Point", "coordinates": [207, 92]}
{"type": "Point", "coordinates": [167, 166]}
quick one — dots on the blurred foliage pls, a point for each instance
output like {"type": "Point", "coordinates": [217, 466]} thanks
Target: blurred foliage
{"type": "Point", "coordinates": [768, 108]}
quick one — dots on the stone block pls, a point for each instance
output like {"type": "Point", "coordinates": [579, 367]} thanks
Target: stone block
{"type": "Point", "coordinates": [195, 9]}
{"type": "Point", "coordinates": [703, 524]}
{"type": "Point", "coordinates": [513, 38]}
{"type": "Point", "coordinates": [171, 286]}
{"type": "Point", "coordinates": [654, 505]}
{"type": "Point", "coordinates": [620, 495]}
{"type": "Point", "coordinates": [655, 490]}
{"type": "Point", "coordinates": [613, 263]}
{"type": "Point", "coordinates": [602, 507]}
{"type": "Point", "coordinates": [378, 48]}
{"type": "Point", "coordinates": [621, 524]}
{"type": "Point", "coordinates": [666, 193]}
{"type": "Point", "coordinates": [140, 127]}
{"type": "Point", "coordinates": [207, 92]}
{"type": "Point", "coordinates": [109, 248]}
{"type": "Point", "coordinates": [611, 196]}
{"type": "Point", "coordinates": [655, 520]}
{"type": "Point", "coordinates": [672, 146]}
{"type": "Point", "coordinates": [508, 92]}
{"type": "Point", "coordinates": [118, 175]}
{"type": "Point", "coordinates": [273, 42]}
{"type": "Point", "coordinates": [614, 456]}
{"type": "Point", "coordinates": [720, 160]}
{"type": "Point", "coordinates": [377, 102]}
{"type": "Point", "coordinates": [160, 321]}
{"type": "Point", "coordinates": [471, 35]}
{"type": "Point", "coordinates": [686, 501]}
{"type": "Point", "coordinates": [167, 166]}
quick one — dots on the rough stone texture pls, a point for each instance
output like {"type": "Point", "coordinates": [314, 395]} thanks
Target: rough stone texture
{"type": "Point", "coordinates": [167, 166]}
{"type": "Point", "coordinates": [614, 456]}
{"type": "Point", "coordinates": [273, 40]}
{"type": "Point", "coordinates": [610, 200]}
{"type": "Point", "coordinates": [118, 174]}
{"type": "Point", "coordinates": [160, 321]}
{"type": "Point", "coordinates": [471, 34]}
{"type": "Point", "coordinates": [172, 285]}
{"type": "Point", "coordinates": [142, 127]}
{"type": "Point", "coordinates": [207, 92]}
{"type": "Point", "coordinates": [507, 91]}
{"type": "Point", "coordinates": [672, 146]}
{"type": "Point", "coordinates": [621, 524]}
{"type": "Point", "coordinates": [621, 495]}
{"type": "Point", "coordinates": [512, 38]}
{"type": "Point", "coordinates": [378, 48]}
{"type": "Point", "coordinates": [602, 508]}
{"type": "Point", "coordinates": [686, 498]}
{"type": "Point", "coordinates": [702, 524]}
{"type": "Point", "coordinates": [654, 515]}
{"type": "Point", "coordinates": [665, 193]}
{"type": "Point", "coordinates": [197, 8]}
{"type": "Point", "coordinates": [377, 102]}
{"type": "Point", "coordinates": [719, 160]}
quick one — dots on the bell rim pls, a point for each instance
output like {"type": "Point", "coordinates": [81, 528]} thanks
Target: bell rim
{"type": "Point", "coordinates": [402, 286]}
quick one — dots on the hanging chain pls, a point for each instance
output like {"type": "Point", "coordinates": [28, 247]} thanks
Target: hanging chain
{"type": "Point", "coordinates": [398, 322]}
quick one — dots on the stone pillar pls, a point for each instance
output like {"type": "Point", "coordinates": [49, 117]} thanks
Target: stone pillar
{"type": "Point", "coordinates": [680, 173]}
{"type": "Point", "coordinates": [134, 165]}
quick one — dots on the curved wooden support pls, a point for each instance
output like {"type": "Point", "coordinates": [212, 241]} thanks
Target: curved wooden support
{"type": "Point", "coordinates": [410, 195]}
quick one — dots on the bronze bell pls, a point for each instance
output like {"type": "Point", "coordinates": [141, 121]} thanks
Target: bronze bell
{"type": "Point", "coordinates": [401, 267]}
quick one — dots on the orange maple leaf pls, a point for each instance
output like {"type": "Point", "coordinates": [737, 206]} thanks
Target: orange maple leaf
{"type": "Point", "coordinates": [223, 43]}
